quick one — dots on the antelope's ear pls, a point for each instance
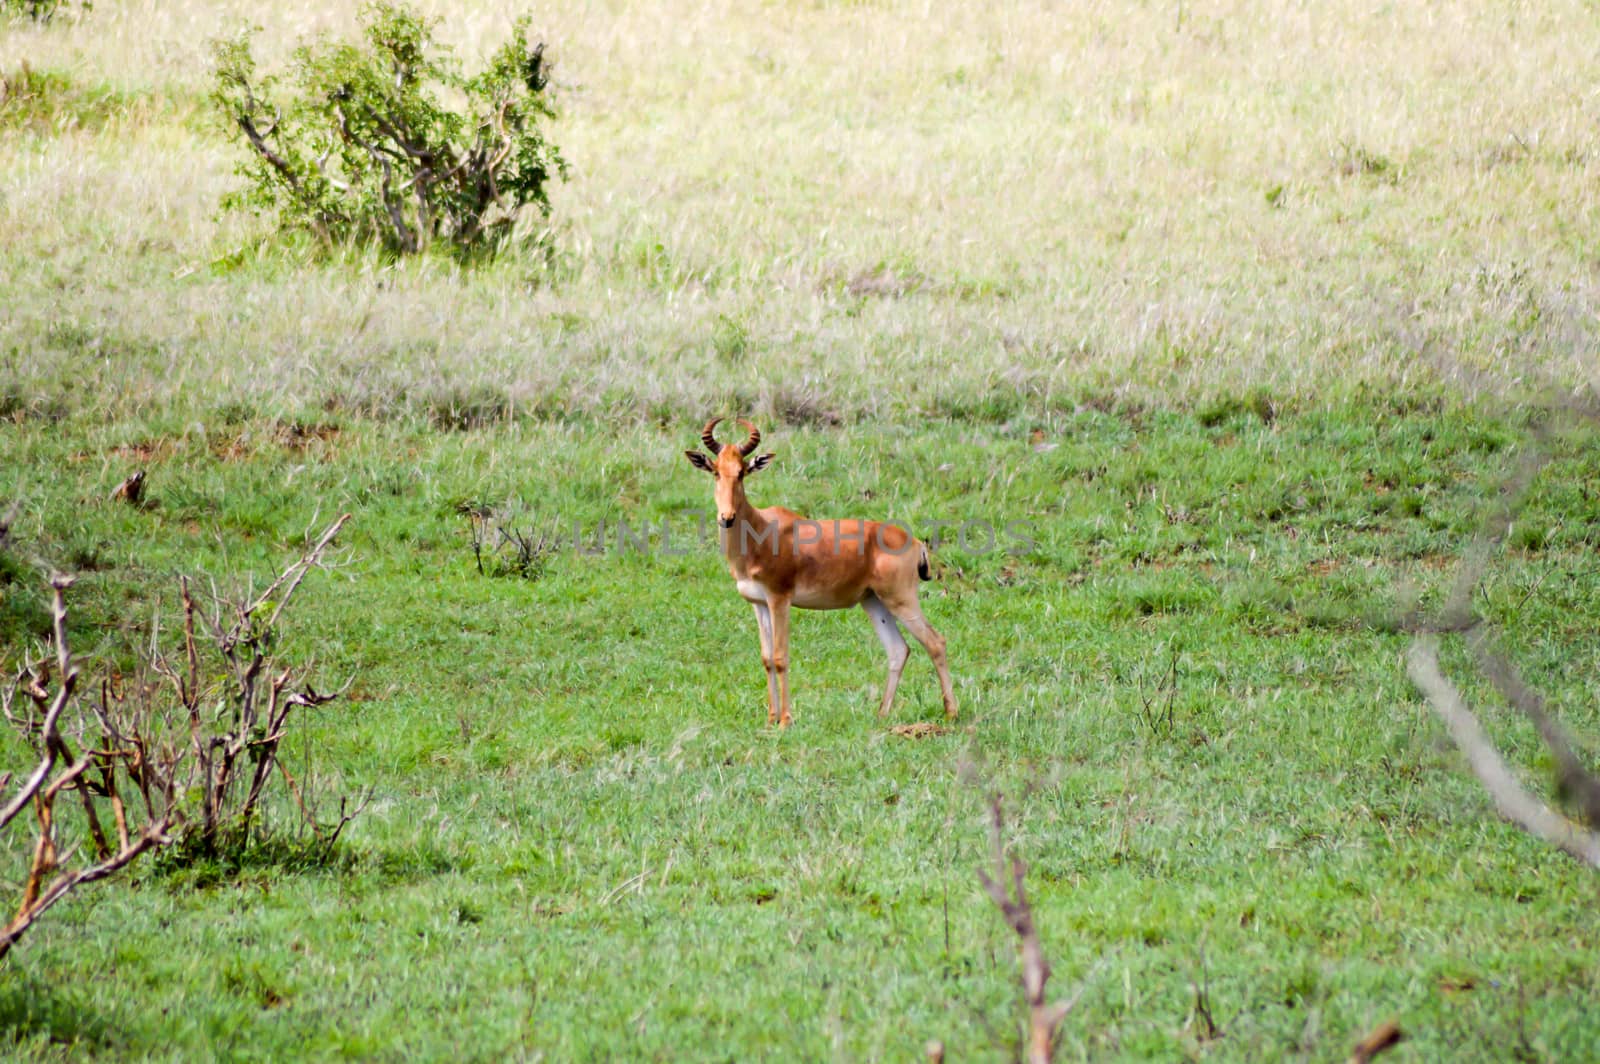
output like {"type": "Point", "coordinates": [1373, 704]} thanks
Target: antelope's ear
{"type": "Point", "coordinates": [759, 462]}
{"type": "Point", "coordinates": [700, 461]}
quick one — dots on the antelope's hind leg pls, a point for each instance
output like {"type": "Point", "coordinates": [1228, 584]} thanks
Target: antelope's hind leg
{"type": "Point", "coordinates": [764, 623]}
{"type": "Point", "coordinates": [909, 613]}
{"type": "Point", "coordinates": [894, 645]}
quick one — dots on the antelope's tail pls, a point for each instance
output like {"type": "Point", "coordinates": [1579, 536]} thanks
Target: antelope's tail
{"type": "Point", "coordinates": [924, 570]}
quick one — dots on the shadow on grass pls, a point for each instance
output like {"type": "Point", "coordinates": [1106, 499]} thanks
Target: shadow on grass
{"type": "Point", "coordinates": [31, 1009]}
{"type": "Point", "coordinates": [23, 616]}
{"type": "Point", "coordinates": [179, 869]}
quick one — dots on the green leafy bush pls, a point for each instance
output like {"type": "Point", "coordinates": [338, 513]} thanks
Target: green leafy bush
{"type": "Point", "coordinates": [38, 10]}
{"type": "Point", "coordinates": [360, 144]}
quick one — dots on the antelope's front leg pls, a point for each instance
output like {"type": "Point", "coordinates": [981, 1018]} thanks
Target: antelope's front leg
{"type": "Point", "coordinates": [780, 654]}
{"type": "Point", "coordinates": [764, 624]}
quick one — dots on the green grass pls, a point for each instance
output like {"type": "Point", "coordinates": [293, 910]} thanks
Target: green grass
{"type": "Point", "coordinates": [585, 842]}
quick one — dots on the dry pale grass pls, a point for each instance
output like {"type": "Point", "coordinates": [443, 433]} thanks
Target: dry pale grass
{"type": "Point", "coordinates": [1049, 201]}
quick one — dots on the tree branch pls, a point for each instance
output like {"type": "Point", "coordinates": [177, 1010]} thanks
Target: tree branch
{"type": "Point", "coordinates": [263, 149]}
{"type": "Point", "coordinates": [1044, 1018]}
{"type": "Point", "coordinates": [1511, 799]}
{"type": "Point", "coordinates": [296, 573]}
{"type": "Point", "coordinates": [1573, 780]}
{"type": "Point", "coordinates": [49, 729]}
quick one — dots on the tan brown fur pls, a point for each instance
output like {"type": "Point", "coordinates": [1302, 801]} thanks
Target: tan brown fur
{"type": "Point", "coordinates": [779, 559]}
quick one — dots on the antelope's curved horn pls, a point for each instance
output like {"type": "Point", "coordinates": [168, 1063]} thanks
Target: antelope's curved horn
{"type": "Point", "coordinates": [708, 437]}
{"type": "Point", "coordinates": [753, 442]}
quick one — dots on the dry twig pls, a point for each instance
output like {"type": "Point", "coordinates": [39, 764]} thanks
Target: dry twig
{"type": "Point", "coordinates": [1210, 1030]}
{"type": "Point", "coordinates": [101, 771]}
{"type": "Point", "coordinates": [1384, 1037]}
{"type": "Point", "coordinates": [1511, 799]}
{"type": "Point", "coordinates": [1044, 1018]}
{"type": "Point", "coordinates": [1573, 781]}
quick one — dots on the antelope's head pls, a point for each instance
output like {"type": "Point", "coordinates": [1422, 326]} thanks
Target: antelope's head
{"type": "Point", "coordinates": [727, 463]}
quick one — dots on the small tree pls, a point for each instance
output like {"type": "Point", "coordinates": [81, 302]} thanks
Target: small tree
{"type": "Point", "coordinates": [179, 751]}
{"type": "Point", "coordinates": [227, 689]}
{"type": "Point", "coordinates": [362, 147]}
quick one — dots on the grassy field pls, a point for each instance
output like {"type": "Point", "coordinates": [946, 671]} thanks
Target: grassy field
{"type": "Point", "coordinates": [1239, 308]}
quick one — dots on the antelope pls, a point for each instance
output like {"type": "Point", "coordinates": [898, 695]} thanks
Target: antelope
{"type": "Point", "coordinates": [779, 559]}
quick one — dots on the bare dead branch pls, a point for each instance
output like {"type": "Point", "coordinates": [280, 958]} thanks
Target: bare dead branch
{"type": "Point", "coordinates": [42, 897]}
{"type": "Point", "coordinates": [50, 876]}
{"type": "Point", "coordinates": [347, 813]}
{"type": "Point", "coordinates": [140, 733]}
{"type": "Point", "coordinates": [1210, 1030]}
{"type": "Point", "coordinates": [1044, 1018]}
{"type": "Point", "coordinates": [1384, 1037]}
{"type": "Point", "coordinates": [1511, 799]}
{"type": "Point", "coordinates": [296, 573]}
{"type": "Point", "coordinates": [48, 750]}
{"type": "Point", "coordinates": [235, 753]}
{"type": "Point", "coordinates": [1573, 780]}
